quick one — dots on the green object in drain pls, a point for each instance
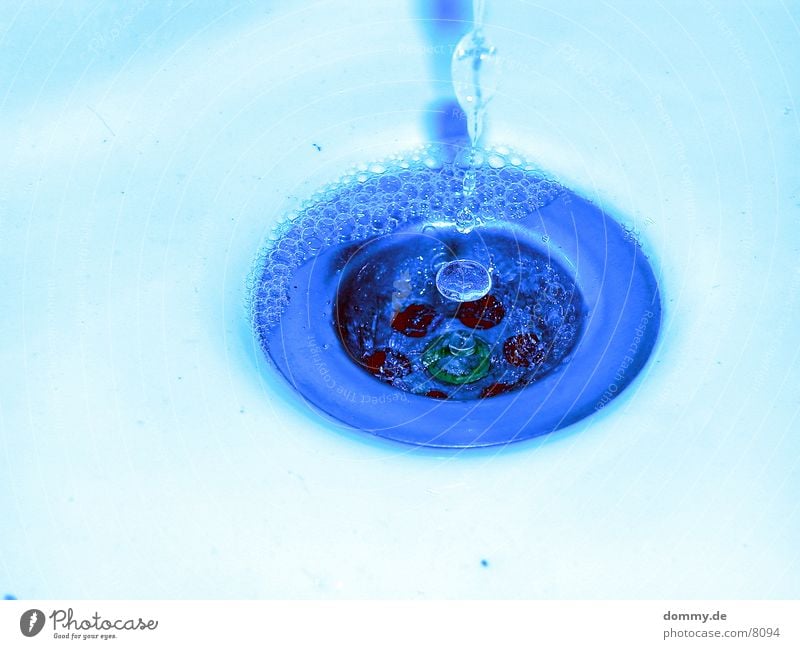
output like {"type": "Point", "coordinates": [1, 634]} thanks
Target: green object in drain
{"type": "Point", "coordinates": [457, 358]}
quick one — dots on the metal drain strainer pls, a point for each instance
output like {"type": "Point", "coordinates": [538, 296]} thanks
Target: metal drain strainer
{"type": "Point", "coordinates": [382, 315]}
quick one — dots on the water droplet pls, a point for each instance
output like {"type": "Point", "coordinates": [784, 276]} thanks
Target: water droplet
{"type": "Point", "coordinates": [463, 280]}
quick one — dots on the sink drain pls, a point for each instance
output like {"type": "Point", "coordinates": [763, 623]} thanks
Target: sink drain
{"type": "Point", "coordinates": [381, 314]}
{"type": "Point", "coordinates": [460, 329]}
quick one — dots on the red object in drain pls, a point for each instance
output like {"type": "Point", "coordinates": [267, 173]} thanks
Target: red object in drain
{"type": "Point", "coordinates": [523, 350]}
{"type": "Point", "coordinates": [481, 314]}
{"type": "Point", "coordinates": [436, 394]}
{"type": "Point", "coordinates": [495, 389]}
{"type": "Point", "coordinates": [387, 364]}
{"type": "Point", "coordinates": [414, 320]}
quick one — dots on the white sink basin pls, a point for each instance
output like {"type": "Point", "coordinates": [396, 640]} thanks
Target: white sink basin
{"type": "Point", "coordinates": [149, 452]}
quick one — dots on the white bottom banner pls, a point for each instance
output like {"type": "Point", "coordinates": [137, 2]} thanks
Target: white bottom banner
{"type": "Point", "coordinates": [401, 624]}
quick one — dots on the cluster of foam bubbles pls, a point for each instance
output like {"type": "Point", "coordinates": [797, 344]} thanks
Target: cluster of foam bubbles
{"type": "Point", "coordinates": [377, 199]}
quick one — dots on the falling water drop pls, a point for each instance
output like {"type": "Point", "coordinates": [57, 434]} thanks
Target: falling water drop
{"type": "Point", "coordinates": [474, 74]}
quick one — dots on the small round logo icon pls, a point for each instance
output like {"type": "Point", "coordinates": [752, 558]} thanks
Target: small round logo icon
{"type": "Point", "coordinates": [31, 622]}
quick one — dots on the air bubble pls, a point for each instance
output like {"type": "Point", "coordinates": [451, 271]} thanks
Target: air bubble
{"type": "Point", "coordinates": [496, 162]}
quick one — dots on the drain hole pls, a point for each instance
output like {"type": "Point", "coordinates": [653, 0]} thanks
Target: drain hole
{"type": "Point", "coordinates": [395, 320]}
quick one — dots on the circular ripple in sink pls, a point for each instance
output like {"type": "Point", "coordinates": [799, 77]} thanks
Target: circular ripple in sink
{"type": "Point", "coordinates": [356, 306]}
